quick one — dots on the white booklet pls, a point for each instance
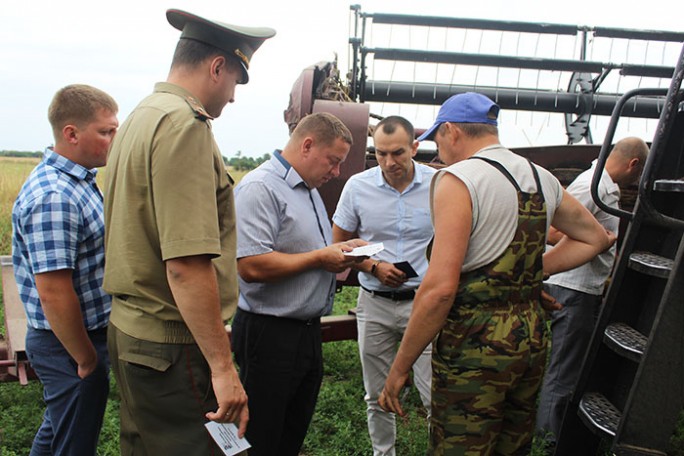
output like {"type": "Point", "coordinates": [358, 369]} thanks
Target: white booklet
{"type": "Point", "coordinates": [366, 250]}
{"type": "Point", "coordinates": [225, 436]}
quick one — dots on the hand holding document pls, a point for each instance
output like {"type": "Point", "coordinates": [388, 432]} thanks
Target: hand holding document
{"type": "Point", "coordinates": [225, 436]}
{"type": "Point", "coordinates": [366, 250]}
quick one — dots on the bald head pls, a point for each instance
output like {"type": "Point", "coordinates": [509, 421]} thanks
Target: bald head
{"type": "Point", "coordinates": [626, 160]}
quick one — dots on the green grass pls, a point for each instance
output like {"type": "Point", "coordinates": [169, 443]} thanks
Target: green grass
{"type": "Point", "coordinates": [21, 412]}
{"type": "Point", "coordinates": [338, 426]}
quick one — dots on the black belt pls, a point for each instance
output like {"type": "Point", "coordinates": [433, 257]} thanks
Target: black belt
{"type": "Point", "coordinates": [308, 322]}
{"type": "Point", "coordinates": [401, 295]}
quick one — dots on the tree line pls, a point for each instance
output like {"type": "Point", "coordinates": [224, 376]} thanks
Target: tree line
{"type": "Point", "coordinates": [241, 163]}
{"type": "Point", "coordinates": [20, 153]}
{"type": "Point", "coordinates": [237, 162]}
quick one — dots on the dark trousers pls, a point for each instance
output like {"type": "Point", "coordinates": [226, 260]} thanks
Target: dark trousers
{"type": "Point", "coordinates": [571, 330]}
{"type": "Point", "coordinates": [281, 368]}
{"type": "Point", "coordinates": [165, 392]}
{"type": "Point", "coordinates": [75, 407]}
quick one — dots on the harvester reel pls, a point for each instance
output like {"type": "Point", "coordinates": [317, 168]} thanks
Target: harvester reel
{"type": "Point", "coordinates": [577, 123]}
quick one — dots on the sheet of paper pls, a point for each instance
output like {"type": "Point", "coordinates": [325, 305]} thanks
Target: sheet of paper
{"type": "Point", "coordinates": [225, 436]}
{"type": "Point", "coordinates": [366, 250]}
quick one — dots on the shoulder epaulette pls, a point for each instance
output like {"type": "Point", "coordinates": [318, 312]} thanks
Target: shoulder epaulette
{"type": "Point", "coordinates": [197, 107]}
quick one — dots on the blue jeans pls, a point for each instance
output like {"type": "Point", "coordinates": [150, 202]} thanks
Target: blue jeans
{"type": "Point", "coordinates": [75, 407]}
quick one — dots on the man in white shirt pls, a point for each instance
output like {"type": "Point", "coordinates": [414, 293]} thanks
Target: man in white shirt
{"type": "Point", "coordinates": [579, 290]}
{"type": "Point", "coordinates": [389, 204]}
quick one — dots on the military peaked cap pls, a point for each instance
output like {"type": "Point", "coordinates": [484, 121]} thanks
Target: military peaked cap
{"type": "Point", "coordinates": [236, 40]}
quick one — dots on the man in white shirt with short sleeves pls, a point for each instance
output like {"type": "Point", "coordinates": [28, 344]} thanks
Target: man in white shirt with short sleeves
{"type": "Point", "coordinates": [389, 204]}
{"type": "Point", "coordinates": [580, 290]}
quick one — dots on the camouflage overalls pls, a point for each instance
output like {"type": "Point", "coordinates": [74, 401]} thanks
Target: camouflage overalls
{"type": "Point", "coordinates": [488, 361]}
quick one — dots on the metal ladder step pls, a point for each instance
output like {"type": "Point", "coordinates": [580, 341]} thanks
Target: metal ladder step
{"type": "Point", "coordinates": [625, 341]}
{"type": "Point", "coordinates": [599, 414]}
{"type": "Point", "coordinates": [669, 185]}
{"type": "Point", "coordinates": [651, 264]}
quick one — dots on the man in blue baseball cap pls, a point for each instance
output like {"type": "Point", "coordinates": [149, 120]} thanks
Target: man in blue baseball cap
{"type": "Point", "coordinates": [469, 107]}
{"type": "Point", "coordinates": [480, 301]}
{"type": "Point", "coordinates": [170, 243]}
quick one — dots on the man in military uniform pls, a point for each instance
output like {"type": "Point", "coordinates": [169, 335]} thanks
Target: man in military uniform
{"type": "Point", "coordinates": [170, 246]}
{"type": "Point", "coordinates": [482, 292]}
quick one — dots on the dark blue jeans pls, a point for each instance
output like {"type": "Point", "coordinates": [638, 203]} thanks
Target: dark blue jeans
{"type": "Point", "coordinates": [75, 407]}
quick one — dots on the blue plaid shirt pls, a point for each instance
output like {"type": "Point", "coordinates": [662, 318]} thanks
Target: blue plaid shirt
{"type": "Point", "coordinates": [58, 223]}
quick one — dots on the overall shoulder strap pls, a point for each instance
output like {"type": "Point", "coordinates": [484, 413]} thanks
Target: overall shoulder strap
{"type": "Point", "coordinates": [501, 168]}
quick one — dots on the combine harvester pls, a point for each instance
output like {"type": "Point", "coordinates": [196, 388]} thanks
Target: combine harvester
{"type": "Point", "coordinates": [549, 79]}
{"type": "Point", "coordinates": [631, 389]}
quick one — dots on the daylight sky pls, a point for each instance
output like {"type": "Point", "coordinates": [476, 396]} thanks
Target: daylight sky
{"type": "Point", "coordinates": [124, 47]}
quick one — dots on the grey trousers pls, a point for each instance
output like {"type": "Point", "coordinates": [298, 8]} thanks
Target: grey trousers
{"type": "Point", "coordinates": [381, 324]}
{"type": "Point", "coordinates": [571, 330]}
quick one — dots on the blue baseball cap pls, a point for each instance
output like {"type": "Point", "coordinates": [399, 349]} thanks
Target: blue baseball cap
{"type": "Point", "coordinates": [469, 107]}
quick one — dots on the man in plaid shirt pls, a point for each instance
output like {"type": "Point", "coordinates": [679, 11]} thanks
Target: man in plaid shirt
{"type": "Point", "coordinates": [58, 258]}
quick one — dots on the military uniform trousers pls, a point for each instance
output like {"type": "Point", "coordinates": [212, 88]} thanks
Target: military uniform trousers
{"type": "Point", "coordinates": [166, 391]}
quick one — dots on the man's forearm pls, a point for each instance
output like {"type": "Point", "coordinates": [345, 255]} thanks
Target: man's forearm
{"type": "Point", "coordinates": [62, 310]}
{"type": "Point", "coordinates": [195, 289]}
{"type": "Point", "coordinates": [554, 236]}
{"type": "Point", "coordinates": [569, 254]}
{"type": "Point", "coordinates": [274, 266]}
{"type": "Point", "coordinates": [430, 311]}
{"type": "Point", "coordinates": [66, 321]}
{"type": "Point", "coordinates": [365, 266]}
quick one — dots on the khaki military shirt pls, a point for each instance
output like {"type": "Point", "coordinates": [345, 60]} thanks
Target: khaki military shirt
{"type": "Point", "coordinates": [167, 195]}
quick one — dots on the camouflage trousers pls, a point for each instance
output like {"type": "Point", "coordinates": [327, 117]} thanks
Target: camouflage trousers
{"type": "Point", "coordinates": [488, 364]}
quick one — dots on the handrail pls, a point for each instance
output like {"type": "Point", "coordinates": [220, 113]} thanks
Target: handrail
{"type": "Point", "coordinates": [607, 146]}
{"type": "Point", "coordinates": [670, 107]}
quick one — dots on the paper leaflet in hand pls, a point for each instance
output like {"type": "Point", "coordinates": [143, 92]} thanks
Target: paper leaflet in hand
{"type": "Point", "coordinates": [366, 250]}
{"type": "Point", "coordinates": [225, 436]}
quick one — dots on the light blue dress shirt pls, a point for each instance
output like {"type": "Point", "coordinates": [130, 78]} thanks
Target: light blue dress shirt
{"type": "Point", "coordinates": [377, 212]}
{"type": "Point", "coordinates": [277, 212]}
